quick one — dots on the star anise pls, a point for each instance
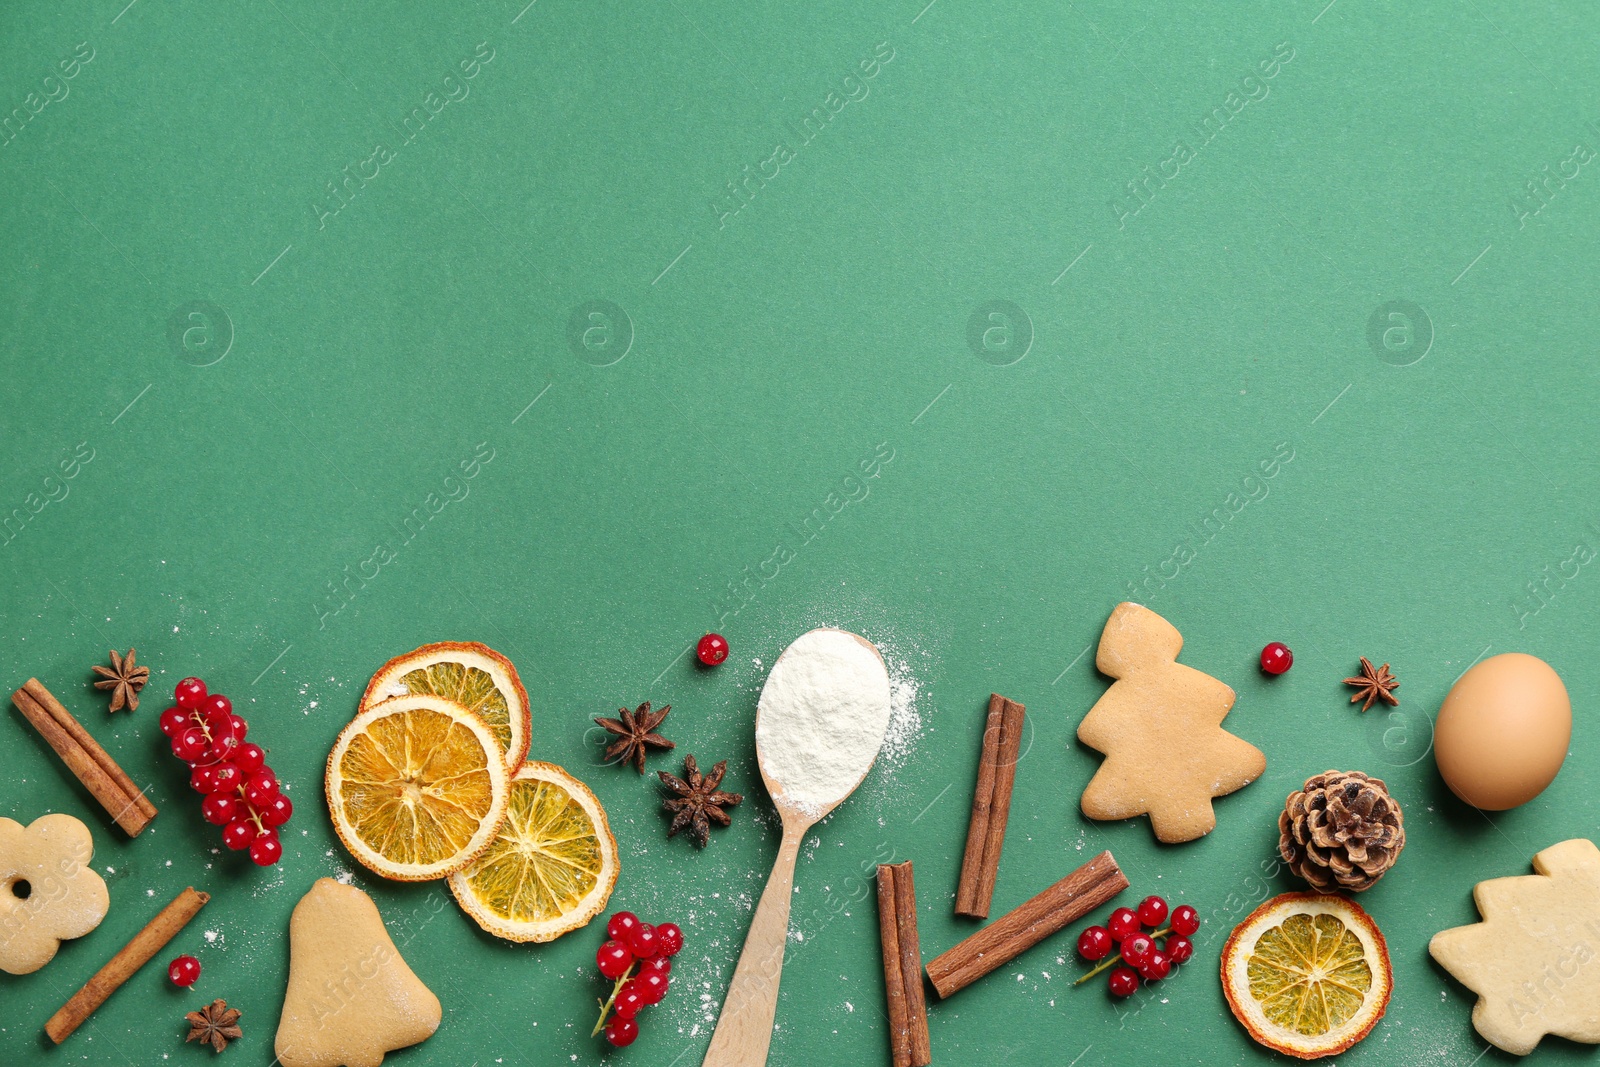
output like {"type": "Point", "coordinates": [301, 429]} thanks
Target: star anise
{"type": "Point", "coordinates": [636, 732]}
{"type": "Point", "coordinates": [698, 802]}
{"type": "Point", "coordinates": [1374, 683]}
{"type": "Point", "coordinates": [123, 679]}
{"type": "Point", "coordinates": [215, 1023]}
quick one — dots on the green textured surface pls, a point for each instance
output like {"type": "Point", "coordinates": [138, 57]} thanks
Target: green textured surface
{"type": "Point", "coordinates": [1172, 350]}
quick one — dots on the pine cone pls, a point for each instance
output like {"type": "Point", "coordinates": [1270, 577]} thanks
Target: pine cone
{"type": "Point", "coordinates": [1342, 831]}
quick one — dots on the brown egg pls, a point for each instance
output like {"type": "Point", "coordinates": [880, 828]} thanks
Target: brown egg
{"type": "Point", "coordinates": [1503, 731]}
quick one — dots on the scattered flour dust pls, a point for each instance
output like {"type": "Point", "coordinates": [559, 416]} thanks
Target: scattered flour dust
{"type": "Point", "coordinates": [823, 715]}
{"type": "Point", "coordinates": [905, 721]}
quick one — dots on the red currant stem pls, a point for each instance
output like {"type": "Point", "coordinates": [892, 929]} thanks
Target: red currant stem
{"type": "Point", "coordinates": [605, 1009]}
{"type": "Point", "coordinates": [1116, 957]}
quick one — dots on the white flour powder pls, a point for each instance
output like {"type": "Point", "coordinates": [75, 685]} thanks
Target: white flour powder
{"type": "Point", "coordinates": [822, 718]}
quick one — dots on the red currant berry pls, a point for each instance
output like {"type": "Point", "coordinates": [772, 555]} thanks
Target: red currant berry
{"type": "Point", "coordinates": [1185, 920]}
{"type": "Point", "coordinates": [261, 788]}
{"type": "Point", "coordinates": [189, 693]}
{"type": "Point", "coordinates": [613, 959]}
{"type": "Point", "coordinates": [1179, 948]}
{"type": "Point", "coordinates": [219, 809]}
{"type": "Point", "coordinates": [1135, 947]}
{"type": "Point", "coordinates": [190, 744]}
{"type": "Point", "coordinates": [184, 971]}
{"type": "Point", "coordinates": [653, 984]}
{"type": "Point", "coordinates": [656, 964]}
{"type": "Point", "coordinates": [266, 849]}
{"type": "Point", "coordinates": [1276, 658]}
{"type": "Point", "coordinates": [239, 833]}
{"type": "Point", "coordinates": [1094, 943]}
{"type": "Point", "coordinates": [669, 939]}
{"type": "Point", "coordinates": [630, 1000]}
{"type": "Point", "coordinates": [203, 780]}
{"type": "Point", "coordinates": [712, 649]}
{"type": "Point", "coordinates": [237, 727]}
{"type": "Point", "coordinates": [225, 778]}
{"type": "Point", "coordinates": [215, 704]}
{"type": "Point", "coordinates": [1155, 967]}
{"type": "Point", "coordinates": [249, 758]}
{"type": "Point", "coordinates": [642, 941]}
{"type": "Point", "coordinates": [621, 1032]}
{"type": "Point", "coordinates": [1123, 922]}
{"type": "Point", "coordinates": [173, 720]}
{"type": "Point", "coordinates": [221, 749]}
{"type": "Point", "coordinates": [1152, 910]}
{"type": "Point", "coordinates": [1122, 982]}
{"type": "Point", "coordinates": [277, 811]}
{"type": "Point", "coordinates": [619, 926]}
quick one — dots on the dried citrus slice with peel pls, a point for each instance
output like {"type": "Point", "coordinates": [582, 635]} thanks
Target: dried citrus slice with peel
{"type": "Point", "coordinates": [551, 867]}
{"type": "Point", "coordinates": [416, 787]}
{"type": "Point", "coordinates": [474, 676]}
{"type": "Point", "coordinates": [1307, 974]}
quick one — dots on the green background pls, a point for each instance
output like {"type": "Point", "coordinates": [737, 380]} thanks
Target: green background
{"type": "Point", "coordinates": [355, 359]}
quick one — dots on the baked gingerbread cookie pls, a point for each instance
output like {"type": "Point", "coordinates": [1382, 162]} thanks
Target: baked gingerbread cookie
{"type": "Point", "coordinates": [351, 997]}
{"type": "Point", "coordinates": [48, 893]}
{"type": "Point", "coordinates": [1160, 729]}
{"type": "Point", "coordinates": [1532, 958]}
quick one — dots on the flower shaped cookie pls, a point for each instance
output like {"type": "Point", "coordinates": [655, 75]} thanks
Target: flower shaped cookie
{"type": "Point", "coordinates": [48, 893]}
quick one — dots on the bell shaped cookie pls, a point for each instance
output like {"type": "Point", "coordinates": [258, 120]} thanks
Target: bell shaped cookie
{"type": "Point", "coordinates": [351, 997]}
{"type": "Point", "coordinates": [48, 893]}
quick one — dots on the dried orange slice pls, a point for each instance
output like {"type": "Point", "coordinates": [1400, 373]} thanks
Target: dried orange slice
{"type": "Point", "coordinates": [551, 867]}
{"type": "Point", "coordinates": [416, 787]}
{"type": "Point", "coordinates": [474, 676]}
{"type": "Point", "coordinates": [1307, 974]}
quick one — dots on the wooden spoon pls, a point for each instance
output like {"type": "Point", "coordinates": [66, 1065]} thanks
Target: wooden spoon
{"type": "Point", "coordinates": [744, 1029]}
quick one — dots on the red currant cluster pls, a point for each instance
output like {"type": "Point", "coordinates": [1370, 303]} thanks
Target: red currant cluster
{"type": "Point", "coordinates": [241, 792]}
{"type": "Point", "coordinates": [638, 960]}
{"type": "Point", "coordinates": [1143, 955]}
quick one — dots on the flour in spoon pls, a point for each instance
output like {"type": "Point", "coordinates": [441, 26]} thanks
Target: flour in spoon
{"type": "Point", "coordinates": [822, 718]}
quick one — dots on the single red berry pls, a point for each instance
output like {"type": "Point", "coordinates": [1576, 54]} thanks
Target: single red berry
{"type": "Point", "coordinates": [613, 959]}
{"type": "Point", "coordinates": [656, 964]}
{"type": "Point", "coordinates": [266, 849]}
{"type": "Point", "coordinates": [173, 720]}
{"type": "Point", "coordinates": [1152, 910]}
{"type": "Point", "coordinates": [203, 780]}
{"type": "Point", "coordinates": [1276, 658]}
{"type": "Point", "coordinates": [219, 809]}
{"type": "Point", "coordinates": [184, 971]}
{"type": "Point", "coordinates": [1156, 966]}
{"type": "Point", "coordinates": [261, 788]}
{"type": "Point", "coordinates": [642, 941]}
{"type": "Point", "coordinates": [653, 984]}
{"type": "Point", "coordinates": [249, 758]}
{"type": "Point", "coordinates": [712, 649]}
{"type": "Point", "coordinates": [621, 1032]}
{"type": "Point", "coordinates": [1179, 948]}
{"type": "Point", "coordinates": [225, 778]}
{"type": "Point", "coordinates": [1123, 922]}
{"type": "Point", "coordinates": [1122, 982]}
{"type": "Point", "coordinates": [1135, 947]}
{"type": "Point", "coordinates": [1185, 920]}
{"type": "Point", "coordinates": [630, 1000]}
{"type": "Point", "coordinates": [277, 811]}
{"type": "Point", "coordinates": [238, 728]}
{"type": "Point", "coordinates": [1094, 943]}
{"type": "Point", "coordinates": [239, 833]}
{"type": "Point", "coordinates": [222, 748]}
{"type": "Point", "coordinates": [189, 693]}
{"type": "Point", "coordinates": [190, 744]}
{"type": "Point", "coordinates": [619, 926]}
{"type": "Point", "coordinates": [215, 704]}
{"type": "Point", "coordinates": [669, 939]}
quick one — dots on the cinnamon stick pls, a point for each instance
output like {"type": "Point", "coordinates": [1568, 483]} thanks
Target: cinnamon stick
{"type": "Point", "coordinates": [902, 966]}
{"type": "Point", "coordinates": [1026, 925]}
{"type": "Point", "coordinates": [991, 806]}
{"type": "Point", "coordinates": [135, 954]}
{"type": "Point", "coordinates": [89, 763]}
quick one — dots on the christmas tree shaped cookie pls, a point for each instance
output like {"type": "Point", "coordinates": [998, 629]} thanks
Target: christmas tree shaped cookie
{"type": "Point", "coordinates": [351, 997]}
{"type": "Point", "coordinates": [1160, 728]}
{"type": "Point", "coordinates": [1532, 958]}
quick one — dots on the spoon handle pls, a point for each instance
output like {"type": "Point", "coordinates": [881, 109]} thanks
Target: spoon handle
{"type": "Point", "coordinates": [744, 1029]}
